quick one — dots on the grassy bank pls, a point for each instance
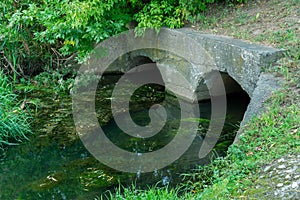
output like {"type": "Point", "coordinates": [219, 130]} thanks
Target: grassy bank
{"type": "Point", "coordinates": [270, 136]}
{"type": "Point", "coordinates": [14, 124]}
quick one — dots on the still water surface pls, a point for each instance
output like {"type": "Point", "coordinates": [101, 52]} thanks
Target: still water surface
{"type": "Point", "coordinates": [54, 164]}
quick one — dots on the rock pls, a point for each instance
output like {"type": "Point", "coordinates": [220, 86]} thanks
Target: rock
{"type": "Point", "coordinates": [288, 176]}
{"type": "Point", "coordinates": [294, 185]}
{"type": "Point", "coordinates": [281, 167]}
{"type": "Point", "coordinates": [267, 168]}
{"type": "Point", "coordinates": [279, 185]}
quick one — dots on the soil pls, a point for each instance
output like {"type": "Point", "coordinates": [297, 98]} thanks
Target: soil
{"type": "Point", "coordinates": [256, 18]}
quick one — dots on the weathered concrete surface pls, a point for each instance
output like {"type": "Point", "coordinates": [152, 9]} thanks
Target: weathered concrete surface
{"type": "Point", "coordinates": [241, 60]}
{"type": "Point", "coordinates": [196, 56]}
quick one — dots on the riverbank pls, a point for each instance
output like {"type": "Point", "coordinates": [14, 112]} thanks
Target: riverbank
{"type": "Point", "coordinates": [266, 139]}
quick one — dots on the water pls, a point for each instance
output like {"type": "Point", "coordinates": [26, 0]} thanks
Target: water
{"type": "Point", "coordinates": [55, 165]}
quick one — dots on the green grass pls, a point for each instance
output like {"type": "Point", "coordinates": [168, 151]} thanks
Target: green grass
{"type": "Point", "coordinates": [270, 136]}
{"type": "Point", "coordinates": [153, 193]}
{"type": "Point", "coordinates": [14, 119]}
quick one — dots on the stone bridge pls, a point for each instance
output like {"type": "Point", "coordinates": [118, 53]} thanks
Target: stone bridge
{"type": "Point", "coordinates": [196, 56]}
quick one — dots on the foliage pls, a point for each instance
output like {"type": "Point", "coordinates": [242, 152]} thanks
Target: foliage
{"type": "Point", "coordinates": [14, 124]}
{"type": "Point", "coordinates": [55, 81]}
{"type": "Point", "coordinates": [39, 33]}
{"type": "Point", "coordinates": [153, 193]}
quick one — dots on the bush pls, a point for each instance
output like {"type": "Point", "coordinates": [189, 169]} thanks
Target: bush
{"type": "Point", "coordinates": [14, 125]}
{"type": "Point", "coordinates": [39, 33]}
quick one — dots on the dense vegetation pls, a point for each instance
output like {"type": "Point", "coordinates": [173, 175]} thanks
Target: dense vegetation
{"type": "Point", "coordinates": [39, 34]}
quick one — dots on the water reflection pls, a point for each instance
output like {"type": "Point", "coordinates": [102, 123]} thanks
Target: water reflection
{"type": "Point", "coordinates": [55, 165]}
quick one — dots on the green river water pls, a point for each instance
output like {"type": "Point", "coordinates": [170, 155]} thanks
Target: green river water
{"type": "Point", "coordinates": [54, 164]}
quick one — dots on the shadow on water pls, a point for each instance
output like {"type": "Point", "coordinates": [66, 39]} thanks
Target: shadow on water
{"type": "Point", "coordinates": [55, 165]}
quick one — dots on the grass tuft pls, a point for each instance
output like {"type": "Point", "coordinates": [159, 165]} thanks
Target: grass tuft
{"type": "Point", "coordinates": [14, 118]}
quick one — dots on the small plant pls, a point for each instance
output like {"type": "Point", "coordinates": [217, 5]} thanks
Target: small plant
{"type": "Point", "coordinates": [55, 81]}
{"type": "Point", "coordinates": [152, 193]}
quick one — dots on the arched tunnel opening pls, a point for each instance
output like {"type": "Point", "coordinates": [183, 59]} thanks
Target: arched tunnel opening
{"type": "Point", "coordinates": [237, 101]}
